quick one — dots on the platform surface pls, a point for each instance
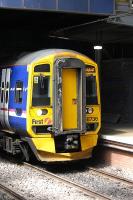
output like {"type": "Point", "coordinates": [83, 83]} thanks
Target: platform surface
{"type": "Point", "coordinates": [122, 133]}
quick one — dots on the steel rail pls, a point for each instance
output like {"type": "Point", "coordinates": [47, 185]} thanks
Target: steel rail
{"type": "Point", "coordinates": [112, 176]}
{"type": "Point", "coordinates": [116, 145]}
{"type": "Point", "coordinates": [11, 192]}
{"type": "Point", "coordinates": [79, 187]}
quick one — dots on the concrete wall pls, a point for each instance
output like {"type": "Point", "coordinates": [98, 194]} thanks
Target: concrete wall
{"type": "Point", "coordinates": [117, 90]}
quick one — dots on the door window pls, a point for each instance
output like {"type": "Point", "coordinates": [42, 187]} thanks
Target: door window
{"type": "Point", "coordinates": [2, 93]}
{"type": "Point", "coordinates": [18, 91]}
{"type": "Point", "coordinates": [7, 91]}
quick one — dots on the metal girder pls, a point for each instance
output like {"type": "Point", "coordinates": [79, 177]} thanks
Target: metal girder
{"type": "Point", "coordinates": [74, 6]}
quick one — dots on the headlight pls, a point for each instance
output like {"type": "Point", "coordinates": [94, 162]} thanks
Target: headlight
{"type": "Point", "coordinates": [39, 112]}
{"type": "Point", "coordinates": [89, 110]}
{"type": "Point", "coordinates": [42, 112]}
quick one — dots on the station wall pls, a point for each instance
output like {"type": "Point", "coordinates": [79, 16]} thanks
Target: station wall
{"type": "Point", "coordinates": [117, 91]}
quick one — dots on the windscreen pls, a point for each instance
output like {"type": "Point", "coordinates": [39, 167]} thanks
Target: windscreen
{"type": "Point", "coordinates": [41, 92]}
{"type": "Point", "coordinates": [91, 90]}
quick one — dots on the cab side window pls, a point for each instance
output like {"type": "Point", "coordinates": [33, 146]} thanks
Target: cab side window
{"type": "Point", "coordinates": [18, 91]}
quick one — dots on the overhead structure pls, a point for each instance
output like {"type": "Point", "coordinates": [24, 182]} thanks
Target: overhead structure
{"type": "Point", "coordinates": [123, 13]}
{"type": "Point", "coordinates": [80, 6]}
{"type": "Point", "coordinates": [124, 5]}
{"type": "Point", "coordinates": [93, 21]}
{"type": "Point", "coordinates": [124, 19]}
{"type": "Point", "coordinates": [113, 28]}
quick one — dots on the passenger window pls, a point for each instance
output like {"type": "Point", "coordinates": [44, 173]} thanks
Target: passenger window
{"type": "Point", "coordinates": [18, 91]}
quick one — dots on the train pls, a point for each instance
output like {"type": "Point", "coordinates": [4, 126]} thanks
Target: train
{"type": "Point", "coordinates": [50, 106]}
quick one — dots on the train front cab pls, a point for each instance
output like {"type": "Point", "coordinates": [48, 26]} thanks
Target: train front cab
{"type": "Point", "coordinates": [57, 115]}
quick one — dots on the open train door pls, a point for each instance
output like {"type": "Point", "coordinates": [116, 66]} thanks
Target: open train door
{"type": "Point", "coordinates": [70, 99]}
{"type": "Point", "coordinates": [70, 96]}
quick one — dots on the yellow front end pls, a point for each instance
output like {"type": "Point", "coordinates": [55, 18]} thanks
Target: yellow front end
{"type": "Point", "coordinates": [46, 149]}
{"type": "Point", "coordinates": [40, 115]}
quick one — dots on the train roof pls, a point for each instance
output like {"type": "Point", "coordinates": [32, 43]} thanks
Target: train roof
{"type": "Point", "coordinates": [34, 56]}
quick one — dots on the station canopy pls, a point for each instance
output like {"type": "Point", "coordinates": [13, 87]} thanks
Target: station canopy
{"type": "Point", "coordinates": [28, 25]}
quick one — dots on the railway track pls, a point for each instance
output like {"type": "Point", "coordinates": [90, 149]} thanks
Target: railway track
{"type": "Point", "coordinates": [111, 176]}
{"type": "Point", "coordinates": [79, 187]}
{"type": "Point", "coordinates": [117, 145]}
{"type": "Point", "coordinates": [11, 193]}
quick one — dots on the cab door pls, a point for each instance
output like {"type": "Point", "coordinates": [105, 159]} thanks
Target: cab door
{"type": "Point", "coordinates": [70, 98]}
{"type": "Point", "coordinates": [69, 94]}
{"type": "Point", "coordinates": [4, 100]}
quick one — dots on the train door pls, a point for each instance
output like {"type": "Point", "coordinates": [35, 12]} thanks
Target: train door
{"type": "Point", "coordinates": [70, 96]}
{"type": "Point", "coordinates": [4, 99]}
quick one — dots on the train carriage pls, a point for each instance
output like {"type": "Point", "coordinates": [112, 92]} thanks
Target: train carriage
{"type": "Point", "coordinates": [50, 105]}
